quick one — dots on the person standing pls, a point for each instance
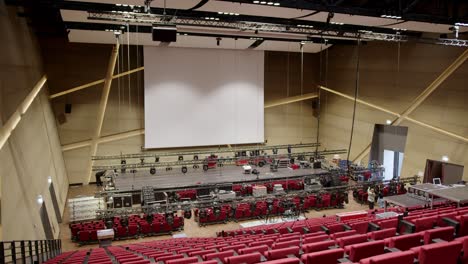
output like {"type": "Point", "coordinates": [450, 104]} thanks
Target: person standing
{"type": "Point", "coordinates": [371, 197]}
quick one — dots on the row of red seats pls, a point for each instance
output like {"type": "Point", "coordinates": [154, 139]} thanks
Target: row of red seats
{"type": "Point", "coordinates": [136, 226]}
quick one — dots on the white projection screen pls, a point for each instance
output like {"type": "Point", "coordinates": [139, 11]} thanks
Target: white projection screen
{"type": "Point", "coordinates": [203, 97]}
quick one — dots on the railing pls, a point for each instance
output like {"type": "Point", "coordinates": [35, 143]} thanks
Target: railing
{"type": "Point", "coordinates": [29, 251]}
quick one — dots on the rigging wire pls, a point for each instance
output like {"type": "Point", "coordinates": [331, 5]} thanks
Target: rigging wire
{"type": "Point", "coordinates": [137, 49]}
{"type": "Point", "coordinates": [118, 81]}
{"type": "Point", "coordinates": [302, 91]}
{"type": "Point", "coordinates": [128, 68]}
{"type": "Point", "coordinates": [356, 91]}
{"type": "Point", "coordinates": [318, 100]}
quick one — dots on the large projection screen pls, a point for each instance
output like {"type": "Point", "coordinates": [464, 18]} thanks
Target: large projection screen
{"type": "Point", "coordinates": [203, 97]}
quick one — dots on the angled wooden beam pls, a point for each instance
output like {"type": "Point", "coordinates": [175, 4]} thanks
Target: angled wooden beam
{"type": "Point", "coordinates": [434, 128]}
{"type": "Point", "coordinates": [15, 118]}
{"type": "Point", "coordinates": [423, 96]}
{"type": "Point", "coordinates": [289, 100]}
{"type": "Point", "coordinates": [103, 105]}
{"type": "Point", "coordinates": [84, 86]}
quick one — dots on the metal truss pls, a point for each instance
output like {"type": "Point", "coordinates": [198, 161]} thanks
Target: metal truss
{"type": "Point", "coordinates": [201, 152]}
{"type": "Point", "coordinates": [220, 161]}
{"type": "Point", "coordinates": [215, 22]}
{"type": "Point", "coordinates": [215, 201]}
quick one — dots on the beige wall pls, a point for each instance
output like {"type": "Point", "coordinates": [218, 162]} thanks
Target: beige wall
{"type": "Point", "coordinates": [383, 85]}
{"type": "Point", "coordinates": [32, 152]}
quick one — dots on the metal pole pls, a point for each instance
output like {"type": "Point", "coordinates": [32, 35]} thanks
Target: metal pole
{"type": "Point", "coordinates": [30, 251]}
{"type": "Point", "coordinates": [13, 251]}
{"type": "Point", "coordinates": [36, 248]}
{"type": "Point", "coordinates": [2, 253]}
{"type": "Point", "coordinates": [23, 252]}
{"type": "Point", "coordinates": [42, 250]}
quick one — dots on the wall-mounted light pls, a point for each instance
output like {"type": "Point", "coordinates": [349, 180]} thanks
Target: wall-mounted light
{"type": "Point", "coordinates": [389, 122]}
{"type": "Point", "coordinates": [49, 179]}
{"type": "Point", "coordinates": [445, 158]}
{"type": "Point", "coordinates": [40, 200]}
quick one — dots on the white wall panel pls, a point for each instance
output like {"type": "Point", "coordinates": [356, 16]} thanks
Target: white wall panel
{"type": "Point", "coordinates": [199, 97]}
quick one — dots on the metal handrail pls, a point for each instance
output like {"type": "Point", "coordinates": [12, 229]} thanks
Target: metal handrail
{"type": "Point", "coordinates": [29, 251]}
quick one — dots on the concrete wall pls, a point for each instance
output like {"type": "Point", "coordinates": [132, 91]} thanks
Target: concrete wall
{"type": "Point", "coordinates": [384, 83]}
{"type": "Point", "coordinates": [73, 64]}
{"type": "Point", "coordinates": [32, 153]}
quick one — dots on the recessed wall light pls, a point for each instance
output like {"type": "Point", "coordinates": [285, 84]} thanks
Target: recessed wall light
{"type": "Point", "coordinates": [445, 158]}
{"type": "Point", "coordinates": [389, 122]}
{"type": "Point", "coordinates": [39, 199]}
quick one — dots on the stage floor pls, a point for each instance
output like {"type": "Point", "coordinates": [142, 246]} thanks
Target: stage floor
{"type": "Point", "coordinates": [227, 174]}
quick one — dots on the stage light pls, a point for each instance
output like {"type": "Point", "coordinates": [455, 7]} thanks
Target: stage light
{"type": "Point", "coordinates": [40, 200]}
{"type": "Point", "coordinates": [445, 158]}
{"type": "Point", "coordinates": [256, 2]}
{"type": "Point", "coordinates": [461, 24]}
{"type": "Point", "coordinates": [49, 179]}
{"type": "Point", "coordinates": [389, 122]}
{"type": "Point", "coordinates": [277, 4]}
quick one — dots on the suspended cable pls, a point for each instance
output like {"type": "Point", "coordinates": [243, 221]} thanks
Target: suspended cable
{"type": "Point", "coordinates": [302, 91]}
{"type": "Point", "coordinates": [118, 83]}
{"type": "Point", "coordinates": [137, 49]}
{"type": "Point", "coordinates": [128, 68]}
{"type": "Point", "coordinates": [356, 91]}
{"type": "Point", "coordinates": [318, 99]}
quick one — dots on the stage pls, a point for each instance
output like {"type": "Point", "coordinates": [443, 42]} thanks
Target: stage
{"type": "Point", "coordinates": [228, 174]}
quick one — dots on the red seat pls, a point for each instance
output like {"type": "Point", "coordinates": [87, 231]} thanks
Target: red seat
{"type": "Point", "coordinates": [220, 255]}
{"type": "Point", "coordinates": [246, 259]}
{"type": "Point", "coordinates": [424, 223]}
{"type": "Point", "coordinates": [343, 234]}
{"type": "Point", "coordinates": [140, 261]}
{"type": "Point", "coordinates": [464, 240]}
{"type": "Point", "coordinates": [440, 218]}
{"type": "Point", "coordinates": [267, 242]}
{"type": "Point", "coordinates": [365, 250]}
{"type": "Point", "coordinates": [400, 257]}
{"type": "Point", "coordinates": [389, 223]}
{"type": "Point", "coordinates": [183, 261]}
{"type": "Point", "coordinates": [282, 253]}
{"type": "Point", "coordinates": [171, 257]}
{"type": "Point", "coordinates": [382, 234]}
{"type": "Point", "coordinates": [201, 252]}
{"type": "Point", "coordinates": [248, 250]}
{"type": "Point", "coordinates": [315, 239]}
{"type": "Point", "coordinates": [349, 240]}
{"type": "Point", "coordinates": [323, 257]}
{"type": "Point", "coordinates": [286, 244]}
{"type": "Point", "coordinates": [317, 246]}
{"type": "Point", "coordinates": [360, 227]}
{"type": "Point", "coordinates": [283, 261]}
{"type": "Point", "coordinates": [235, 248]}
{"type": "Point", "coordinates": [405, 242]}
{"type": "Point", "coordinates": [437, 253]}
{"type": "Point", "coordinates": [444, 233]}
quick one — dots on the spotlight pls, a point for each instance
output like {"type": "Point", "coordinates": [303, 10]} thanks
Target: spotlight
{"type": "Point", "coordinates": [49, 179]}
{"type": "Point", "coordinates": [389, 122]}
{"type": "Point", "coordinates": [276, 4]}
{"type": "Point", "coordinates": [445, 158]}
{"type": "Point", "coordinates": [256, 2]}
{"type": "Point", "coordinates": [40, 200]}
{"type": "Point", "coordinates": [218, 41]}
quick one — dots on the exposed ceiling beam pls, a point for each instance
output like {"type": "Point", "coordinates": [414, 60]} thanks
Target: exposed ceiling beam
{"type": "Point", "coordinates": [412, 120]}
{"type": "Point", "coordinates": [103, 105]}
{"type": "Point", "coordinates": [84, 86]}
{"type": "Point", "coordinates": [15, 118]}
{"type": "Point", "coordinates": [291, 99]}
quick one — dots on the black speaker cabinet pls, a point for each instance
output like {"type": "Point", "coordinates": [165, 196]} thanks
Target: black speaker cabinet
{"type": "Point", "coordinates": [317, 165]}
{"type": "Point", "coordinates": [118, 202]}
{"type": "Point", "coordinates": [164, 33]}
{"type": "Point", "coordinates": [127, 201]}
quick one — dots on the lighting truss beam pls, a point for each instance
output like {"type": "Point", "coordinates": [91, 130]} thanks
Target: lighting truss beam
{"type": "Point", "coordinates": [195, 152]}
{"type": "Point", "coordinates": [224, 161]}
